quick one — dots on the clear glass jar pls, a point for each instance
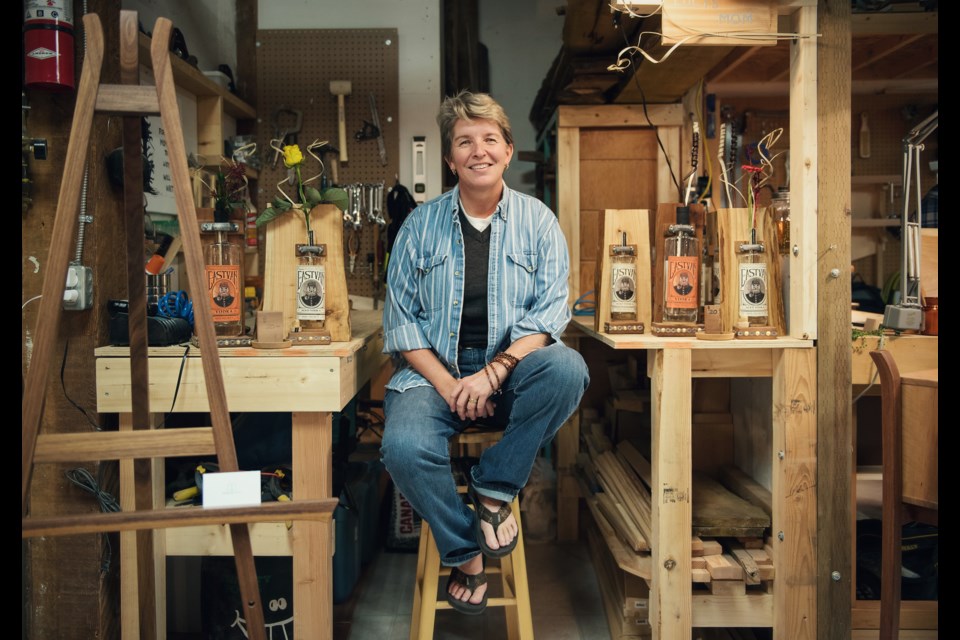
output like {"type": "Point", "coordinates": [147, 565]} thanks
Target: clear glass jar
{"type": "Point", "coordinates": [681, 271]}
{"type": "Point", "coordinates": [781, 216]}
{"type": "Point", "coordinates": [224, 277]}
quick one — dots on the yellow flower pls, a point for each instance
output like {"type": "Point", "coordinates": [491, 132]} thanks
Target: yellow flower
{"type": "Point", "coordinates": [292, 156]}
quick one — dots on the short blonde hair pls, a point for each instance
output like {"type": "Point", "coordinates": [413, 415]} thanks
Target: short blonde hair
{"type": "Point", "coordinates": [470, 106]}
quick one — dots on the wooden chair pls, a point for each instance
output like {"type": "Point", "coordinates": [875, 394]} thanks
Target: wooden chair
{"type": "Point", "coordinates": [513, 568]}
{"type": "Point", "coordinates": [895, 503]}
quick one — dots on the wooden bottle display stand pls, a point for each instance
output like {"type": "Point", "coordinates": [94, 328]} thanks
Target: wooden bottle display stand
{"type": "Point", "coordinates": [613, 224]}
{"type": "Point", "coordinates": [666, 216]}
{"type": "Point", "coordinates": [280, 287]}
{"type": "Point", "coordinates": [733, 229]}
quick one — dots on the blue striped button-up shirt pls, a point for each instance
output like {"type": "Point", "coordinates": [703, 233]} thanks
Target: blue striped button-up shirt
{"type": "Point", "coordinates": [526, 281]}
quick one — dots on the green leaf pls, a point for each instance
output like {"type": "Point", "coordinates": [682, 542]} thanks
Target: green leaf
{"type": "Point", "coordinates": [312, 196]}
{"type": "Point", "coordinates": [267, 215]}
{"type": "Point", "coordinates": [338, 197]}
{"type": "Point", "coordinates": [282, 206]}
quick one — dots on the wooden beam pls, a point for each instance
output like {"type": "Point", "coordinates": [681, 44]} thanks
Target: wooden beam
{"type": "Point", "coordinates": [804, 173]}
{"type": "Point", "coordinates": [670, 596]}
{"type": "Point", "coordinates": [835, 450]}
{"type": "Point", "coordinates": [794, 493]}
{"type": "Point", "coordinates": [888, 50]}
{"type": "Point", "coordinates": [747, 488]}
{"type": "Point", "coordinates": [893, 23]}
{"type": "Point", "coordinates": [732, 61]}
{"type": "Point", "coordinates": [319, 510]}
{"type": "Point", "coordinates": [906, 85]}
{"type": "Point", "coordinates": [621, 115]}
{"type": "Point", "coordinates": [568, 198]}
{"type": "Point", "coordinates": [98, 445]}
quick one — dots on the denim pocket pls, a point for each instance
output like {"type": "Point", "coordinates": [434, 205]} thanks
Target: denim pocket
{"type": "Point", "coordinates": [432, 283]}
{"type": "Point", "coordinates": [521, 278]}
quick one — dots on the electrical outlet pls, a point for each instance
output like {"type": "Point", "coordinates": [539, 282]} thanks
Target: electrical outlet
{"type": "Point", "coordinates": [78, 294]}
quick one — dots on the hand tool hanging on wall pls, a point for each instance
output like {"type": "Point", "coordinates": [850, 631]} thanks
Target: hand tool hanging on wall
{"type": "Point", "coordinates": [373, 130]}
{"type": "Point", "coordinates": [341, 88]}
{"type": "Point", "coordinates": [285, 130]}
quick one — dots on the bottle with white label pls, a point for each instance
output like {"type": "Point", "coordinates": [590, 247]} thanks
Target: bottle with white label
{"type": "Point", "coordinates": [311, 286]}
{"type": "Point", "coordinates": [681, 271]}
{"type": "Point", "coordinates": [753, 284]}
{"type": "Point", "coordinates": [623, 281]}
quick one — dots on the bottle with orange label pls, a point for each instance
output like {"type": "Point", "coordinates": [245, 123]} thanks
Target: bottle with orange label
{"type": "Point", "coordinates": [681, 271]}
{"type": "Point", "coordinates": [224, 277]}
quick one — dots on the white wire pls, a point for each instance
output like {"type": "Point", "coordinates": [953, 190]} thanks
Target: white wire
{"type": "Point", "coordinates": [623, 63]}
{"type": "Point", "coordinates": [24, 305]}
{"type": "Point", "coordinates": [624, 7]}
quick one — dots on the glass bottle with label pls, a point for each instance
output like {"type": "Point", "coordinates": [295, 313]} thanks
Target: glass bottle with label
{"type": "Point", "coordinates": [311, 286]}
{"type": "Point", "coordinates": [681, 271]}
{"type": "Point", "coordinates": [753, 283]}
{"type": "Point", "coordinates": [623, 281]}
{"type": "Point", "coordinates": [222, 259]}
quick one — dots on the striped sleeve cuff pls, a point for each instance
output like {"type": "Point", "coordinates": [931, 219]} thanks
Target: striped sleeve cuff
{"type": "Point", "coordinates": [405, 337]}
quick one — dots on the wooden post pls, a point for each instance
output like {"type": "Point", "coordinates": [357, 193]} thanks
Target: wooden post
{"type": "Point", "coordinates": [312, 432]}
{"type": "Point", "coordinates": [831, 229]}
{"type": "Point", "coordinates": [794, 494]}
{"type": "Point", "coordinates": [670, 590]}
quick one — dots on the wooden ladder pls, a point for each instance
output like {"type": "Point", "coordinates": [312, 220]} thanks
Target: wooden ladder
{"type": "Point", "coordinates": [138, 440]}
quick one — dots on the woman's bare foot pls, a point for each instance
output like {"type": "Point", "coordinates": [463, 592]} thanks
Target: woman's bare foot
{"type": "Point", "coordinates": [471, 567]}
{"type": "Point", "coordinates": [507, 530]}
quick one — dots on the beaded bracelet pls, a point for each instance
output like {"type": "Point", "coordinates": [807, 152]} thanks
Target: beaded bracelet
{"type": "Point", "coordinates": [497, 374]}
{"type": "Point", "coordinates": [486, 370]}
{"type": "Point", "coordinates": [508, 361]}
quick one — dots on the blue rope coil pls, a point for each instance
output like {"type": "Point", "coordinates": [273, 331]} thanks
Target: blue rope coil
{"type": "Point", "coordinates": [176, 304]}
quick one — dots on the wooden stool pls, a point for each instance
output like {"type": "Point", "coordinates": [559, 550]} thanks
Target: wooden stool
{"type": "Point", "coordinates": [512, 569]}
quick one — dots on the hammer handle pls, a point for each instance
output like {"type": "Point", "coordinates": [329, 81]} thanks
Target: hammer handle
{"type": "Point", "coordinates": [342, 121]}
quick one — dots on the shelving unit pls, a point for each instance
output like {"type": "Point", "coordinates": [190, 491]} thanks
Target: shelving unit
{"type": "Point", "coordinates": [789, 605]}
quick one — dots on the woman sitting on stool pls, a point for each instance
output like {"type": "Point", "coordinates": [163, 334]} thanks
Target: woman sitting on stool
{"type": "Point", "coordinates": [476, 303]}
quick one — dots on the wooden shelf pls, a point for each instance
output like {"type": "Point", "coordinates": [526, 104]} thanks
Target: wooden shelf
{"type": "Point", "coordinates": [192, 80]}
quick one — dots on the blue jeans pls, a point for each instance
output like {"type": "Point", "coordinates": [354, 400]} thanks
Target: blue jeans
{"type": "Point", "coordinates": [543, 391]}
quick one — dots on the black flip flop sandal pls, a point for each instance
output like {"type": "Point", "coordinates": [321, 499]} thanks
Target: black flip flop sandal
{"type": "Point", "coordinates": [494, 519]}
{"type": "Point", "coordinates": [470, 582]}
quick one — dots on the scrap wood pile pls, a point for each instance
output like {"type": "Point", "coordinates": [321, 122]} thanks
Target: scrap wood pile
{"type": "Point", "coordinates": [728, 549]}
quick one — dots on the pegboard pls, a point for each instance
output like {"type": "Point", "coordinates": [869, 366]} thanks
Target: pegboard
{"type": "Point", "coordinates": [294, 69]}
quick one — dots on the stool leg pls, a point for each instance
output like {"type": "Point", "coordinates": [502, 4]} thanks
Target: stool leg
{"type": "Point", "coordinates": [513, 570]}
{"type": "Point", "coordinates": [418, 586]}
{"type": "Point", "coordinates": [424, 615]}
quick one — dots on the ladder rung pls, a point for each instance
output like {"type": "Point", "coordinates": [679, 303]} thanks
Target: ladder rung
{"type": "Point", "coordinates": [124, 99]}
{"type": "Point", "coordinates": [117, 445]}
{"type": "Point", "coordinates": [66, 525]}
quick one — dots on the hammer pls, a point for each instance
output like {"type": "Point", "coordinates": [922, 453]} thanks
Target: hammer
{"type": "Point", "coordinates": [341, 88]}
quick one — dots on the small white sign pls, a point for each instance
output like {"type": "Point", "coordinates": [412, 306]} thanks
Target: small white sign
{"type": "Point", "coordinates": [231, 489]}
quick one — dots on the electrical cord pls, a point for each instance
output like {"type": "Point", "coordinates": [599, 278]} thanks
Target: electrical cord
{"type": "Point", "coordinates": [656, 130]}
{"type": "Point", "coordinates": [63, 386]}
{"type": "Point", "coordinates": [585, 305]}
{"type": "Point", "coordinates": [108, 504]}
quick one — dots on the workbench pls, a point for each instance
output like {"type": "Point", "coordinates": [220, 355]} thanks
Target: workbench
{"type": "Point", "coordinates": [311, 382]}
{"type": "Point", "coordinates": [789, 608]}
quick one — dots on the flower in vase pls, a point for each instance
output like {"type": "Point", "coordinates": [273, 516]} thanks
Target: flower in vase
{"type": "Point", "coordinates": [305, 197]}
